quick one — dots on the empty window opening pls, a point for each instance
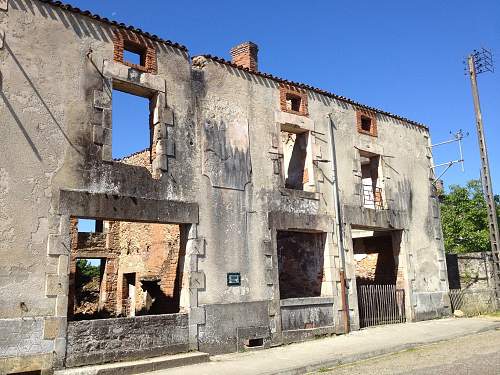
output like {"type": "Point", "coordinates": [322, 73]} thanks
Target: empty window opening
{"type": "Point", "coordinates": [133, 55]}
{"type": "Point", "coordinates": [366, 124]}
{"type": "Point", "coordinates": [90, 226]}
{"type": "Point", "coordinates": [294, 159]}
{"type": "Point", "coordinates": [88, 287]}
{"type": "Point", "coordinates": [300, 263]}
{"type": "Point", "coordinates": [252, 343]}
{"type": "Point", "coordinates": [131, 134]}
{"type": "Point", "coordinates": [371, 181]}
{"type": "Point", "coordinates": [293, 102]}
{"type": "Point", "coordinates": [128, 269]}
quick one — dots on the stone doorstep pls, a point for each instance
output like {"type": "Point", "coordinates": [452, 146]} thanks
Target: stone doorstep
{"type": "Point", "coordinates": [140, 366]}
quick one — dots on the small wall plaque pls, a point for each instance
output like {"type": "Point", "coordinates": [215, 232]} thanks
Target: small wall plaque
{"type": "Point", "coordinates": [233, 279]}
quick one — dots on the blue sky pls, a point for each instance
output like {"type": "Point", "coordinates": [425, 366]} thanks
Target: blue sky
{"type": "Point", "coordinates": [401, 56]}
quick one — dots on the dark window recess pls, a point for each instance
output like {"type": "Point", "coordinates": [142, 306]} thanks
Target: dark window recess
{"type": "Point", "coordinates": [300, 263]}
{"type": "Point", "coordinates": [134, 54]}
{"type": "Point", "coordinates": [252, 343]}
{"type": "Point", "coordinates": [366, 124]}
{"type": "Point", "coordinates": [293, 102]}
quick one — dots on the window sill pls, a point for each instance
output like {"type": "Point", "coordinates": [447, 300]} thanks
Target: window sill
{"type": "Point", "coordinates": [306, 301]}
{"type": "Point", "coordinates": [292, 193]}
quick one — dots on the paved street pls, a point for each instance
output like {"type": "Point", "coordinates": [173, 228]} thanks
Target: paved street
{"type": "Point", "coordinates": [477, 354]}
{"type": "Point", "coordinates": [469, 336]}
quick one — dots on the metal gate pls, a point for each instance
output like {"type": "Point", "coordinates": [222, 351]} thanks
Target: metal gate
{"type": "Point", "coordinates": [380, 304]}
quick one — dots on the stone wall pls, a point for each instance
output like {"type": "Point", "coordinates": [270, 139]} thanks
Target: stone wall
{"type": "Point", "coordinates": [471, 271]}
{"type": "Point", "coordinates": [110, 340]}
{"type": "Point", "coordinates": [306, 313]}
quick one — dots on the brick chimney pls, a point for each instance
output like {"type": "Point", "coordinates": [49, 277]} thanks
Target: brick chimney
{"type": "Point", "coordinates": [245, 54]}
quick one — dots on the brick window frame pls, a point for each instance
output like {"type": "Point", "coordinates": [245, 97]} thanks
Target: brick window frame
{"type": "Point", "coordinates": [286, 91]}
{"type": "Point", "coordinates": [132, 42]}
{"type": "Point", "coordinates": [363, 115]}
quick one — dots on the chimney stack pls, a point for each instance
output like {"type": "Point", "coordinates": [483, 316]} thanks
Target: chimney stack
{"type": "Point", "coordinates": [245, 54]}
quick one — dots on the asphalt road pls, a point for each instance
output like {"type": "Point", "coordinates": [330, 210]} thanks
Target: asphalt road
{"type": "Point", "coordinates": [472, 355]}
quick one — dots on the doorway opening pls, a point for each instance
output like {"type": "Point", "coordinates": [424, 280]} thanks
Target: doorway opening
{"type": "Point", "coordinates": [379, 276]}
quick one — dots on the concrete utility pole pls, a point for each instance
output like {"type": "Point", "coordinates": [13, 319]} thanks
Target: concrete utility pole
{"type": "Point", "coordinates": [479, 62]}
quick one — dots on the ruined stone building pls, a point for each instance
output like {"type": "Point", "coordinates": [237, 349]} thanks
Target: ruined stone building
{"type": "Point", "coordinates": [256, 216]}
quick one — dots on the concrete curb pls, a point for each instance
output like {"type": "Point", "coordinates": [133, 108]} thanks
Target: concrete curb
{"type": "Point", "coordinates": [299, 370]}
{"type": "Point", "coordinates": [139, 366]}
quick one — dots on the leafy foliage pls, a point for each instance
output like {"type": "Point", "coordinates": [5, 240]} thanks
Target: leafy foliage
{"type": "Point", "coordinates": [86, 271]}
{"type": "Point", "coordinates": [464, 218]}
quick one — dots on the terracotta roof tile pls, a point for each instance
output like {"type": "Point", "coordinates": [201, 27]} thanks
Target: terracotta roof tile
{"type": "Point", "coordinates": [315, 89]}
{"type": "Point", "coordinates": [87, 13]}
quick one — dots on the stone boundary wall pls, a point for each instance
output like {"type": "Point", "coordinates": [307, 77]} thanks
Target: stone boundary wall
{"type": "Point", "coordinates": [121, 339]}
{"type": "Point", "coordinates": [471, 271]}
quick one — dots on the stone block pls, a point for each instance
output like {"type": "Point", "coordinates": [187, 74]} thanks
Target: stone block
{"type": "Point", "coordinates": [276, 166]}
{"type": "Point", "coordinates": [102, 99]}
{"type": "Point", "coordinates": [170, 147]}
{"type": "Point", "coordinates": [197, 315]}
{"type": "Point", "coordinates": [107, 116]}
{"type": "Point", "coordinates": [97, 134]}
{"type": "Point", "coordinates": [193, 232]}
{"type": "Point", "coordinates": [197, 280]}
{"type": "Point", "coordinates": [61, 306]}
{"type": "Point", "coordinates": [106, 136]}
{"type": "Point", "coordinates": [267, 247]}
{"type": "Point", "coordinates": [268, 262]}
{"type": "Point", "coordinates": [160, 163]}
{"type": "Point", "coordinates": [168, 116]}
{"type": "Point", "coordinates": [60, 346]}
{"type": "Point", "coordinates": [55, 285]}
{"type": "Point", "coordinates": [55, 245]}
{"type": "Point", "coordinates": [161, 147]}
{"type": "Point", "coordinates": [106, 152]}
{"type": "Point", "coordinates": [4, 5]}
{"type": "Point", "coordinates": [269, 276]}
{"type": "Point", "coordinates": [96, 116]}
{"type": "Point", "coordinates": [197, 246]}
{"type": "Point", "coordinates": [160, 131]}
{"type": "Point", "coordinates": [53, 328]}
{"type": "Point", "coordinates": [63, 265]}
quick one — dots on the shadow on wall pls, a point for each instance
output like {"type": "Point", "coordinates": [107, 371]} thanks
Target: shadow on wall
{"type": "Point", "coordinates": [21, 126]}
{"type": "Point", "coordinates": [83, 25]}
{"type": "Point", "coordinates": [44, 104]}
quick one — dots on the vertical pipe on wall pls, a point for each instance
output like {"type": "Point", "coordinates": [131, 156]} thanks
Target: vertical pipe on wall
{"type": "Point", "coordinates": [340, 231]}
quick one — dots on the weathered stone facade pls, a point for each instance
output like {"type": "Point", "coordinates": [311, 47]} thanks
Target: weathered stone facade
{"type": "Point", "coordinates": [238, 161]}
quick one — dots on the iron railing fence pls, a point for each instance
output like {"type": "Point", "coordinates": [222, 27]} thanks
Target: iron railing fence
{"type": "Point", "coordinates": [381, 304]}
{"type": "Point", "coordinates": [473, 302]}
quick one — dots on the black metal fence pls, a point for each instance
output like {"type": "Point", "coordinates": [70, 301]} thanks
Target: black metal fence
{"type": "Point", "coordinates": [380, 304]}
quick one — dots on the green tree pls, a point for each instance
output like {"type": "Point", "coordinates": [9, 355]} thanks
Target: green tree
{"type": "Point", "coordinates": [86, 270]}
{"type": "Point", "coordinates": [464, 218]}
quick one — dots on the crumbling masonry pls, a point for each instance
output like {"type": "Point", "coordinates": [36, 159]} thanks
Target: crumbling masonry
{"type": "Point", "coordinates": [259, 209]}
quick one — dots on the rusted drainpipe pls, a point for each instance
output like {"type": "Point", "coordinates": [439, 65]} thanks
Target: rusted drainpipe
{"type": "Point", "coordinates": [336, 199]}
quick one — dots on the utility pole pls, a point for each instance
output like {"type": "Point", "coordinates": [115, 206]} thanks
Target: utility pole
{"type": "Point", "coordinates": [479, 62]}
